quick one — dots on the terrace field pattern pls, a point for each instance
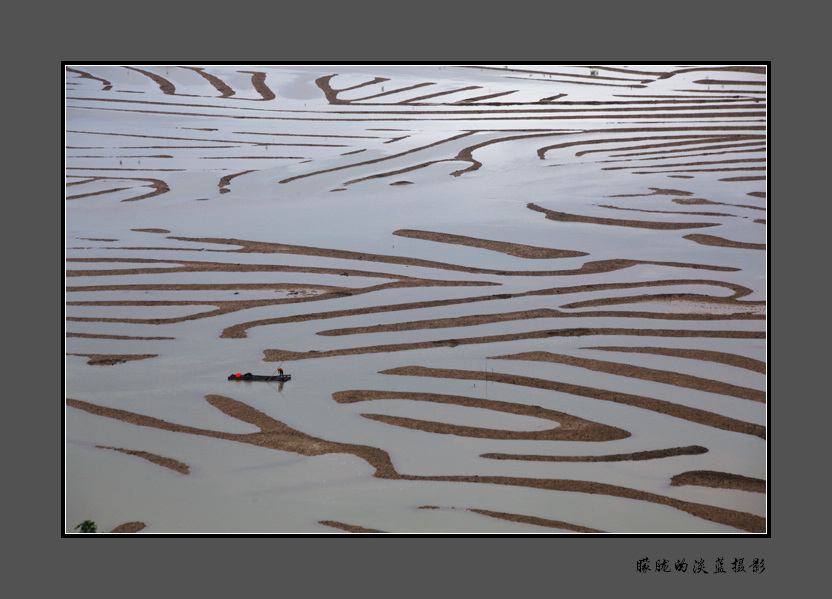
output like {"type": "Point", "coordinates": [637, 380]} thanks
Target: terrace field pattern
{"type": "Point", "coordinates": [513, 299]}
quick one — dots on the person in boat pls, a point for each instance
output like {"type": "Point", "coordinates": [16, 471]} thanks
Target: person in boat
{"type": "Point", "coordinates": [280, 372]}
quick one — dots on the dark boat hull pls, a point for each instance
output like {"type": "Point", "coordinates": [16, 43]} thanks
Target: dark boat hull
{"type": "Point", "coordinates": [258, 377]}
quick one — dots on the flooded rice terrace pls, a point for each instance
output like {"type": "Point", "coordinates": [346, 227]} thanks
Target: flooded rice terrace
{"type": "Point", "coordinates": [517, 299]}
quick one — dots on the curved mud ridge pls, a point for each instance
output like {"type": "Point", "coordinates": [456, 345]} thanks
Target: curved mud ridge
{"type": "Point", "coordinates": [719, 480]}
{"type": "Point", "coordinates": [169, 463]}
{"type": "Point", "coordinates": [635, 456]}
{"type": "Point", "coordinates": [569, 427]}
{"type": "Point", "coordinates": [640, 372]}
{"type": "Point", "coordinates": [660, 406]}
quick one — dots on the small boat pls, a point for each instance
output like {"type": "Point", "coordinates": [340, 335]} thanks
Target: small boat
{"type": "Point", "coordinates": [258, 377]}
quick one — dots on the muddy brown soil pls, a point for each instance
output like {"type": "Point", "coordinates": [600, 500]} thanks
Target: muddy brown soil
{"type": "Point", "coordinates": [277, 435]}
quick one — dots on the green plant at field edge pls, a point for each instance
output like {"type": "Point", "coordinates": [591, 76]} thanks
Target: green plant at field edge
{"type": "Point", "coordinates": [87, 526]}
